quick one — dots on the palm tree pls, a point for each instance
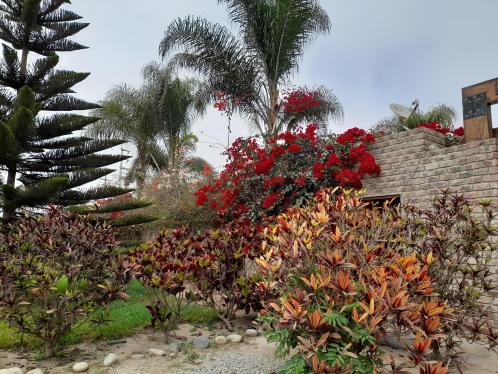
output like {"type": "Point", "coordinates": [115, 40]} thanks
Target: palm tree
{"type": "Point", "coordinates": [155, 118]}
{"type": "Point", "coordinates": [176, 105]}
{"type": "Point", "coordinates": [127, 113]}
{"type": "Point", "coordinates": [253, 70]}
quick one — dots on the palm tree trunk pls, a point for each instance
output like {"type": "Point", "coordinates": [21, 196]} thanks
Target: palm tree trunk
{"type": "Point", "coordinates": [172, 144]}
{"type": "Point", "coordinates": [272, 126]}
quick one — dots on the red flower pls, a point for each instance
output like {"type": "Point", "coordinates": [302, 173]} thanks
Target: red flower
{"type": "Point", "coordinates": [333, 160]}
{"type": "Point", "coordinates": [269, 200]}
{"type": "Point", "coordinates": [459, 132]}
{"type": "Point", "coordinates": [264, 166]}
{"type": "Point", "coordinates": [351, 136]}
{"type": "Point", "coordinates": [294, 148]}
{"type": "Point", "coordinates": [301, 181]}
{"type": "Point", "coordinates": [436, 127]}
{"type": "Point", "coordinates": [202, 197]}
{"type": "Point", "coordinates": [318, 170]}
{"type": "Point", "coordinates": [273, 182]}
{"type": "Point", "coordinates": [348, 178]}
{"type": "Point", "coordinates": [277, 151]}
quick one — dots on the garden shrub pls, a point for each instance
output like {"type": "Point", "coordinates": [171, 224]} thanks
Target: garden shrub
{"type": "Point", "coordinates": [210, 267]}
{"type": "Point", "coordinates": [264, 180]}
{"type": "Point", "coordinates": [335, 278]}
{"type": "Point", "coordinates": [459, 237]}
{"type": "Point", "coordinates": [55, 270]}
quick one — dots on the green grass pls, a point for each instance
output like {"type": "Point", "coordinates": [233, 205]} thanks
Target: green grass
{"type": "Point", "coordinates": [126, 317]}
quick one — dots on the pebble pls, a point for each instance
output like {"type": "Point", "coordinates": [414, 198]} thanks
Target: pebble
{"type": "Point", "coordinates": [252, 332]}
{"type": "Point", "coordinates": [157, 352]}
{"type": "Point", "coordinates": [110, 359]}
{"type": "Point", "coordinates": [172, 355]}
{"type": "Point", "coordinates": [137, 356]}
{"type": "Point", "coordinates": [234, 338]}
{"type": "Point", "coordinates": [80, 367]}
{"type": "Point", "coordinates": [201, 342]}
{"type": "Point", "coordinates": [12, 371]}
{"type": "Point", "coordinates": [220, 340]}
{"type": "Point", "coordinates": [35, 371]}
{"type": "Point", "coordinates": [175, 347]}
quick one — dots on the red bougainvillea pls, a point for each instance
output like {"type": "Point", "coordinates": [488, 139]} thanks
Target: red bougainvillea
{"type": "Point", "coordinates": [300, 101]}
{"type": "Point", "coordinates": [442, 129]}
{"type": "Point", "coordinates": [261, 180]}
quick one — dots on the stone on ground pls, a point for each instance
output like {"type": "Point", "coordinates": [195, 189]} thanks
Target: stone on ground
{"type": "Point", "coordinates": [137, 356]}
{"type": "Point", "coordinates": [174, 347]}
{"type": "Point", "coordinates": [110, 359]}
{"type": "Point", "coordinates": [234, 338]}
{"type": "Point", "coordinates": [201, 342]}
{"type": "Point", "coordinates": [12, 371]}
{"type": "Point", "coordinates": [35, 371]}
{"type": "Point", "coordinates": [252, 333]}
{"type": "Point", "coordinates": [80, 367]}
{"type": "Point", "coordinates": [220, 340]}
{"type": "Point", "coordinates": [157, 352]}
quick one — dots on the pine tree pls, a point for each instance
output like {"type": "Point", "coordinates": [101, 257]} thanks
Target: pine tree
{"type": "Point", "coordinates": [41, 154]}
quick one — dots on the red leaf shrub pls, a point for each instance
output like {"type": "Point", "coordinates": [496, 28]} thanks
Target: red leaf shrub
{"type": "Point", "coordinates": [261, 180]}
{"type": "Point", "coordinates": [210, 265]}
{"type": "Point", "coordinates": [55, 271]}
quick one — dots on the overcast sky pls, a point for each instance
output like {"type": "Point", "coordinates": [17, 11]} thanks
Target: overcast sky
{"type": "Point", "coordinates": [378, 52]}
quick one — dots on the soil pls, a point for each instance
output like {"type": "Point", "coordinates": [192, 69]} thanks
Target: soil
{"type": "Point", "coordinates": [254, 352]}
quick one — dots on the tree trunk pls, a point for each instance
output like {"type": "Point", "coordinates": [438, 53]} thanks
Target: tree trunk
{"type": "Point", "coordinates": [171, 155]}
{"type": "Point", "coordinates": [24, 65]}
{"type": "Point", "coordinates": [8, 206]}
{"type": "Point", "coordinates": [273, 112]}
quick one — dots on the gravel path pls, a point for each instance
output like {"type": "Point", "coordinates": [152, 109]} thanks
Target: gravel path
{"type": "Point", "coordinates": [232, 362]}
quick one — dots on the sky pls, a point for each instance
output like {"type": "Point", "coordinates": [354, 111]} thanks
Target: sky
{"type": "Point", "coordinates": [378, 52]}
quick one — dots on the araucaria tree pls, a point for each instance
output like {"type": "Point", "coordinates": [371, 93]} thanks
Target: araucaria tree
{"type": "Point", "coordinates": [250, 74]}
{"type": "Point", "coordinates": [42, 161]}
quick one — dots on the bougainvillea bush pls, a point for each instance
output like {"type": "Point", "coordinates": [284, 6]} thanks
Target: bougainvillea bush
{"type": "Point", "coordinates": [55, 270]}
{"type": "Point", "coordinates": [263, 180]}
{"type": "Point", "coordinates": [453, 136]}
{"type": "Point", "coordinates": [336, 278]}
{"type": "Point", "coordinates": [210, 267]}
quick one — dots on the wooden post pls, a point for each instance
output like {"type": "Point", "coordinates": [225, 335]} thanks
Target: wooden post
{"type": "Point", "coordinates": [477, 100]}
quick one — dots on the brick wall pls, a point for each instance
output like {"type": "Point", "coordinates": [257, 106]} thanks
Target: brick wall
{"type": "Point", "coordinates": [417, 164]}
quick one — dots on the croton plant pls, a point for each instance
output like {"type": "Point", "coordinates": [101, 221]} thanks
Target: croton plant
{"type": "Point", "coordinates": [335, 279]}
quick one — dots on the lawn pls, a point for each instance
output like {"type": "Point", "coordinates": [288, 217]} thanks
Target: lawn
{"type": "Point", "coordinates": [126, 317]}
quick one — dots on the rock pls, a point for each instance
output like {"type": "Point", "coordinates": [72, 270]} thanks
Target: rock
{"type": "Point", "coordinates": [80, 367]}
{"type": "Point", "coordinates": [157, 352]}
{"type": "Point", "coordinates": [201, 342]}
{"type": "Point", "coordinates": [138, 356]}
{"type": "Point", "coordinates": [220, 340]}
{"type": "Point", "coordinates": [172, 354]}
{"type": "Point", "coordinates": [35, 371]}
{"type": "Point", "coordinates": [175, 347]}
{"type": "Point", "coordinates": [12, 371]}
{"type": "Point", "coordinates": [252, 333]}
{"type": "Point", "coordinates": [234, 338]}
{"type": "Point", "coordinates": [110, 359]}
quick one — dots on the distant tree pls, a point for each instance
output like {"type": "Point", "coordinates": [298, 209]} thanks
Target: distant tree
{"type": "Point", "coordinates": [42, 159]}
{"type": "Point", "coordinates": [442, 114]}
{"type": "Point", "coordinates": [250, 73]}
{"type": "Point", "coordinates": [128, 114]}
{"type": "Point", "coordinates": [161, 109]}
{"type": "Point", "coordinates": [177, 103]}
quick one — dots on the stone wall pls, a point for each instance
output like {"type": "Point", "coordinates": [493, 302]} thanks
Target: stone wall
{"type": "Point", "coordinates": [417, 164]}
